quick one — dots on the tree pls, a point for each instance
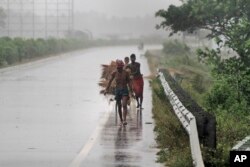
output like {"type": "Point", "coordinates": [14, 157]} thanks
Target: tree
{"type": "Point", "coordinates": [213, 15]}
{"type": "Point", "coordinates": [229, 24]}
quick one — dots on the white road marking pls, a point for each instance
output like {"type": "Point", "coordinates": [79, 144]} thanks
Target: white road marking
{"type": "Point", "coordinates": [91, 141]}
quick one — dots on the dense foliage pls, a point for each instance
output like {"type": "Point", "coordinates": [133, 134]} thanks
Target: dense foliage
{"type": "Point", "coordinates": [229, 25]}
{"type": "Point", "coordinates": [175, 47]}
{"type": "Point", "coordinates": [19, 49]}
{"type": "Point", "coordinates": [231, 126]}
{"type": "Point", "coordinates": [229, 97]}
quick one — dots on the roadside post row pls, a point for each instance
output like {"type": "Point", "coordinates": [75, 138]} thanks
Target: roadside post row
{"type": "Point", "coordinates": [187, 120]}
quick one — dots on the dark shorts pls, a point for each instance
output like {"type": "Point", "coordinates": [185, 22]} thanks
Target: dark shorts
{"type": "Point", "coordinates": [120, 92]}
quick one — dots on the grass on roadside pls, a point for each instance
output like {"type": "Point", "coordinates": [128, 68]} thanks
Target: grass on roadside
{"type": "Point", "coordinates": [196, 80]}
{"type": "Point", "coordinates": [175, 151]}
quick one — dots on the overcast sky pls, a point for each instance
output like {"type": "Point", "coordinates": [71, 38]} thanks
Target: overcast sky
{"type": "Point", "coordinates": [123, 8]}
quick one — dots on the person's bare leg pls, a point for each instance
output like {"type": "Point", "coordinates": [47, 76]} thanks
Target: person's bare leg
{"type": "Point", "coordinates": [125, 109]}
{"type": "Point", "coordinates": [141, 95]}
{"type": "Point", "coordinates": [120, 110]}
{"type": "Point", "coordinates": [137, 100]}
{"type": "Point", "coordinates": [141, 100]}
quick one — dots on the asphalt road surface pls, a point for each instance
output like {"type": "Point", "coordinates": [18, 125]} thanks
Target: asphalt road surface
{"type": "Point", "coordinates": [52, 115]}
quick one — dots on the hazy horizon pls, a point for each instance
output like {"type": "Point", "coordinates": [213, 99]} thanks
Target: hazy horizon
{"type": "Point", "coordinates": [104, 18]}
{"type": "Point", "coordinates": [123, 8]}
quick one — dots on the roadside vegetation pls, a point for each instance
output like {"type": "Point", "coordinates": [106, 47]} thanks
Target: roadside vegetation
{"type": "Point", "coordinates": [219, 82]}
{"type": "Point", "coordinates": [184, 67]}
{"type": "Point", "coordinates": [171, 137]}
{"type": "Point", "coordinates": [197, 80]}
{"type": "Point", "coordinates": [19, 50]}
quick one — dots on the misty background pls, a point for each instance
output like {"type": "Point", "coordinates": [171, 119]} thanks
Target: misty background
{"type": "Point", "coordinates": [105, 19]}
{"type": "Point", "coordinates": [120, 18]}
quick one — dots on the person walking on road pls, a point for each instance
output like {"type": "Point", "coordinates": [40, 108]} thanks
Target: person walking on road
{"type": "Point", "coordinates": [126, 67]}
{"type": "Point", "coordinates": [122, 79]}
{"type": "Point", "coordinates": [137, 80]}
{"type": "Point", "coordinates": [126, 61]}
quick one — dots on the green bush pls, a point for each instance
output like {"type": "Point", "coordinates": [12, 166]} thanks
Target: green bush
{"type": "Point", "coordinates": [225, 93]}
{"type": "Point", "coordinates": [19, 49]}
{"type": "Point", "coordinates": [231, 128]}
{"type": "Point", "coordinates": [175, 47]}
{"type": "Point", "coordinates": [11, 54]}
{"type": "Point", "coordinates": [20, 44]}
{"type": "Point", "coordinates": [198, 83]}
{"type": "Point", "coordinates": [224, 97]}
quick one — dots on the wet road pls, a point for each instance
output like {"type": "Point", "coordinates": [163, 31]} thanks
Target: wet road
{"type": "Point", "coordinates": [52, 115]}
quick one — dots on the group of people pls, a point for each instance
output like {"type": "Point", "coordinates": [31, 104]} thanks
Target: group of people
{"type": "Point", "coordinates": [129, 83]}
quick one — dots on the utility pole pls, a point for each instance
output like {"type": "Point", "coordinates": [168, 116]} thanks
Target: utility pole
{"type": "Point", "coordinates": [21, 17]}
{"type": "Point", "coordinates": [69, 18]}
{"type": "Point", "coordinates": [72, 16]}
{"type": "Point", "coordinates": [46, 19]}
{"type": "Point", "coordinates": [33, 18]}
{"type": "Point", "coordinates": [8, 11]}
{"type": "Point", "coordinates": [57, 18]}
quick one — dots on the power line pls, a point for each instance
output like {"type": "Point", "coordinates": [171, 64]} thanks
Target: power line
{"type": "Point", "coordinates": [27, 18]}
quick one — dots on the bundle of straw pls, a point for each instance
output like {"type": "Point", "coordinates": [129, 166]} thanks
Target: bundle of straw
{"type": "Point", "coordinates": [106, 76]}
